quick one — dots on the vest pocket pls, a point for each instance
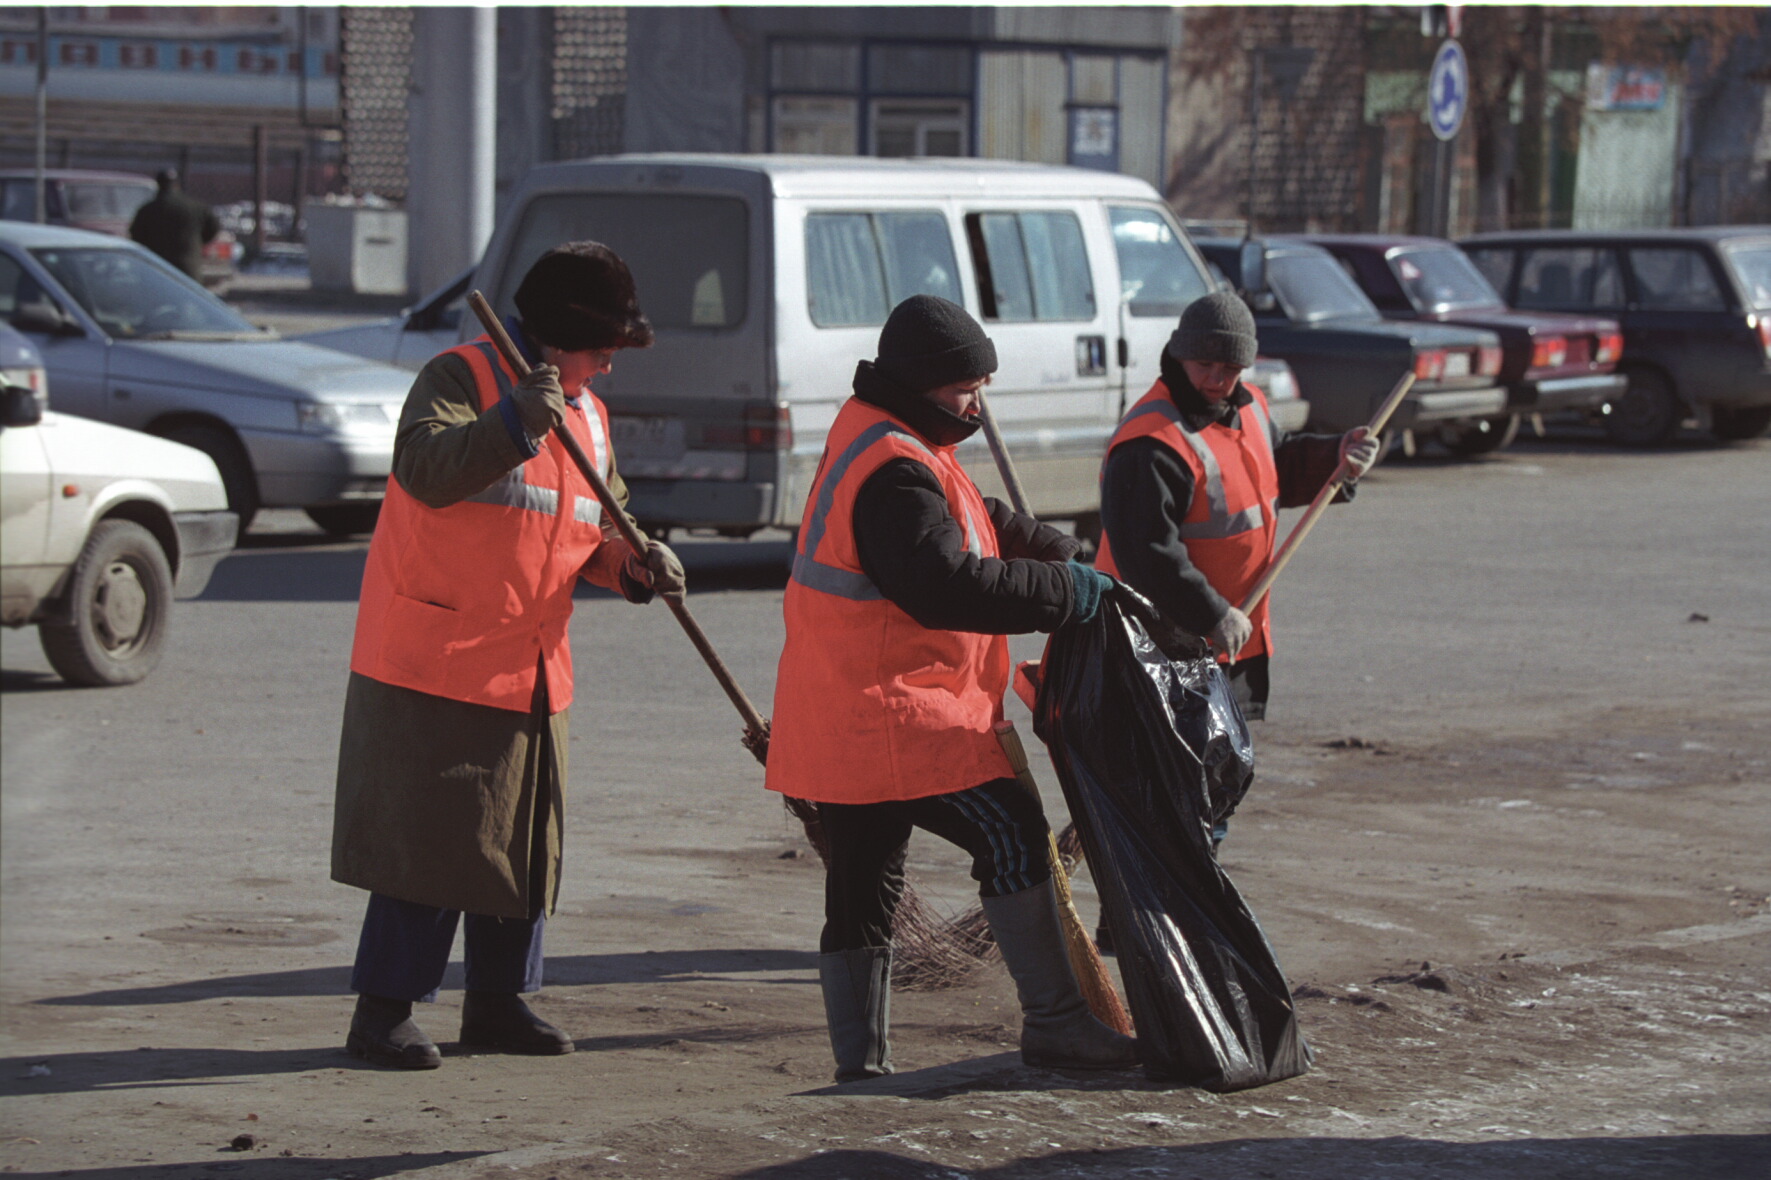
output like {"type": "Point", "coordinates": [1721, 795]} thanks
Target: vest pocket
{"type": "Point", "coordinates": [416, 635]}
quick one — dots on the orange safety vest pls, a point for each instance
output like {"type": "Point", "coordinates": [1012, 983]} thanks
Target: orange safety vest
{"type": "Point", "coordinates": [1230, 526]}
{"type": "Point", "coordinates": [462, 602]}
{"type": "Point", "coordinates": [870, 705]}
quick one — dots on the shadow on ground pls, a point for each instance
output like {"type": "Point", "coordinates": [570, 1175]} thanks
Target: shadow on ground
{"type": "Point", "coordinates": [269, 1167]}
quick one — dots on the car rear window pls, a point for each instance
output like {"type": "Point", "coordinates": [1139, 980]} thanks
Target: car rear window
{"type": "Point", "coordinates": [1570, 278]}
{"type": "Point", "coordinates": [1031, 266]}
{"type": "Point", "coordinates": [1752, 267]}
{"type": "Point", "coordinates": [1442, 280]}
{"type": "Point", "coordinates": [1675, 279]}
{"type": "Point", "coordinates": [1157, 277]}
{"type": "Point", "coordinates": [689, 254]}
{"type": "Point", "coordinates": [1314, 287]}
{"type": "Point", "coordinates": [861, 265]}
{"type": "Point", "coordinates": [99, 198]}
{"type": "Point", "coordinates": [1495, 263]}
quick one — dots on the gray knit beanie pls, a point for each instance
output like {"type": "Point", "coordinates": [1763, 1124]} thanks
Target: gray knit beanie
{"type": "Point", "coordinates": [928, 342]}
{"type": "Point", "coordinates": [1215, 327]}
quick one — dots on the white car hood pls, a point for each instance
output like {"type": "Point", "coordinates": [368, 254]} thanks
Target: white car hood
{"type": "Point", "coordinates": [268, 368]}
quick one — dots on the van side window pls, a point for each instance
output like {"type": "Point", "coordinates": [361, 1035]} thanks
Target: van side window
{"type": "Point", "coordinates": [1674, 279]}
{"type": "Point", "coordinates": [861, 265]}
{"type": "Point", "coordinates": [1570, 278]}
{"type": "Point", "coordinates": [688, 254]}
{"type": "Point", "coordinates": [1496, 265]}
{"type": "Point", "coordinates": [1157, 277]}
{"type": "Point", "coordinates": [1031, 266]}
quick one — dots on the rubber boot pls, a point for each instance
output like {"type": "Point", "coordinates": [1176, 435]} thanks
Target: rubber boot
{"type": "Point", "coordinates": [1057, 1029]}
{"type": "Point", "coordinates": [383, 1032]}
{"type": "Point", "coordinates": [501, 1021]}
{"type": "Point", "coordinates": [858, 1008]}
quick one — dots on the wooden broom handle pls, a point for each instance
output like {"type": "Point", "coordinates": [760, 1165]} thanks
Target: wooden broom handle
{"type": "Point", "coordinates": [753, 720]}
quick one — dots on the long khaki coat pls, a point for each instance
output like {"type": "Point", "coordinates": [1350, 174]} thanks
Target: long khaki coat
{"type": "Point", "coordinates": [438, 801]}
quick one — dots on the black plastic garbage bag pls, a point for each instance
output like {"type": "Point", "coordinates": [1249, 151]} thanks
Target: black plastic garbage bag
{"type": "Point", "coordinates": [1151, 750]}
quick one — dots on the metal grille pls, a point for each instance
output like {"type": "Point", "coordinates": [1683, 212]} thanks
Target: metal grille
{"type": "Point", "coordinates": [589, 81]}
{"type": "Point", "coordinates": [375, 81]}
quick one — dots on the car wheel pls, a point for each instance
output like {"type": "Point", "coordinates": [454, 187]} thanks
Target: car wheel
{"type": "Point", "coordinates": [119, 603]}
{"type": "Point", "coordinates": [1481, 437]}
{"type": "Point", "coordinates": [1647, 413]}
{"type": "Point", "coordinates": [1732, 424]}
{"type": "Point", "coordinates": [345, 519]}
{"type": "Point", "coordinates": [230, 459]}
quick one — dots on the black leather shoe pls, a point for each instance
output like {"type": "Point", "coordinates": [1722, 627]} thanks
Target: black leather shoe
{"type": "Point", "coordinates": [384, 1033]}
{"type": "Point", "coordinates": [501, 1021]}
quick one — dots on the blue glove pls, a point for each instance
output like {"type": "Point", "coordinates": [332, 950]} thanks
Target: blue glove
{"type": "Point", "coordinates": [1091, 585]}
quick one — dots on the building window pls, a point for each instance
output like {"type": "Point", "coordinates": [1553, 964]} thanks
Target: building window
{"type": "Point", "coordinates": [929, 128]}
{"type": "Point", "coordinates": [919, 69]}
{"type": "Point", "coordinates": [799, 65]}
{"type": "Point", "coordinates": [815, 126]}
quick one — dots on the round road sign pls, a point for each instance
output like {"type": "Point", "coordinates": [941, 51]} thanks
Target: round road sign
{"type": "Point", "coordinates": [1448, 90]}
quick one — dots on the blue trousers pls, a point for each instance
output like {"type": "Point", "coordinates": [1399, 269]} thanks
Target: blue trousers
{"type": "Point", "coordinates": [404, 949]}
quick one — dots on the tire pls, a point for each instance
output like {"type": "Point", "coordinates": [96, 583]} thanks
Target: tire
{"type": "Point", "coordinates": [119, 605]}
{"type": "Point", "coordinates": [1482, 437]}
{"type": "Point", "coordinates": [343, 520]}
{"type": "Point", "coordinates": [1648, 413]}
{"type": "Point", "coordinates": [1740, 425]}
{"type": "Point", "coordinates": [230, 459]}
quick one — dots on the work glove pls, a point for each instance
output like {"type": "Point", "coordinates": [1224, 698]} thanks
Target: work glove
{"type": "Point", "coordinates": [539, 401]}
{"type": "Point", "coordinates": [1090, 585]}
{"type": "Point", "coordinates": [660, 569]}
{"type": "Point", "coordinates": [1358, 451]}
{"type": "Point", "coordinates": [1231, 632]}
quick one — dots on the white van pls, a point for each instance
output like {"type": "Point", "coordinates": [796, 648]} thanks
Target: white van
{"type": "Point", "coordinates": [768, 277]}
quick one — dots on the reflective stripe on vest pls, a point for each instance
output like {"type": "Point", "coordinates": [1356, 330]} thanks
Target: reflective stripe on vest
{"type": "Point", "coordinates": [512, 489]}
{"type": "Point", "coordinates": [814, 574]}
{"type": "Point", "coordinates": [1220, 522]}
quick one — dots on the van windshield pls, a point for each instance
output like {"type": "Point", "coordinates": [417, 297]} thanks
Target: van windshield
{"type": "Point", "coordinates": [688, 254]}
{"type": "Point", "coordinates": [1752, 266]}
{"type": "Point", "coordinates": [1157, 276]}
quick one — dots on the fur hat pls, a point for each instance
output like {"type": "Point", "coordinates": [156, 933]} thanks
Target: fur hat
{"type": "Point", "coordinates": [928, 342]}
{"type": "Point", "coordinates": [1215, 327]}
{"type": "Point", "coordinates": [580, 296]}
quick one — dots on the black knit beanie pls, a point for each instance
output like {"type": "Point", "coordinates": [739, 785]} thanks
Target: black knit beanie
{"type": "Point", "coordinates": [928, 342]}
{"type": "Point", "coordinates": [1215, 327]}
{"type": "Point", "coordinates": [580, 296]}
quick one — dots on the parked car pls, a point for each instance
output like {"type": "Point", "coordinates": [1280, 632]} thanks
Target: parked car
{"type": "Point", "coordinates": [1551, 361]}
{"type": "Point", "coordinates": [410, 338]}
{"type": "Point", "coordinates": [1346, 355]}
{"type": "Point", "coordinates": [1695, 305]}
{"type": "Point", "coordinates": [1274, 378]}
{"type": "Point", "coordinates": [102, 202]}
{"type": "Point", "coordinates": [130, 340]}
{"type": "Point", "coordinates": [103, 527]}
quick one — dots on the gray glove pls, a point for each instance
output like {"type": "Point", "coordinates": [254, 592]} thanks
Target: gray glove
{"type": "Point", "coordinates": [540, 402]}
{"type": "Point", "coordinates": [1358, 451]}
{"type": "Point", "coordinates": [661, 569]}
{"type": "Point", "coordinates": [1231, 632]}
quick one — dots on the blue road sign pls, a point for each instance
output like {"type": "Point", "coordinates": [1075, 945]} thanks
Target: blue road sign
{"type": "Point", "coordinates": [1448, 90]}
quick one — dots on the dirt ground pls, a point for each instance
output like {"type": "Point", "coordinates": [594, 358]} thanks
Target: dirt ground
{"type": "Point", "coordinates": [1515, 961]}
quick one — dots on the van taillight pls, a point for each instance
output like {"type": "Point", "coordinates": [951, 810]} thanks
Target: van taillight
{"type": "Point", "coordinates": [1429, 365]}
{"type": "Point", "coordinates": [767, 428]}
{"type": "Point", "coordinates": [1610, 348]}
{"type": "Point", "coordinates": [1549, 352]}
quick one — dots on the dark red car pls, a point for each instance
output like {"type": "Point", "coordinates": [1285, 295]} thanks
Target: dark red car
{"type": "Point", "coordinates": [1551, 362]}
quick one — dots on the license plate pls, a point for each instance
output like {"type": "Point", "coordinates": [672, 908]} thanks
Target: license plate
{"type": "Point", "coordinates": [1457, 364]}
{"type": "Point", "coordinates": [647, 438]}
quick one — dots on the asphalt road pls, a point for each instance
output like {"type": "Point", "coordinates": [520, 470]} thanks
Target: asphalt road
{"type": "Point", "coordinates": [172, 955]}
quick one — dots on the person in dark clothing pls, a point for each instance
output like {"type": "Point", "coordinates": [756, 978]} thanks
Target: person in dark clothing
{"type": "Point", "coordinates": [905, 582]}
{"type": "Point", "coordinates": [174, 226]}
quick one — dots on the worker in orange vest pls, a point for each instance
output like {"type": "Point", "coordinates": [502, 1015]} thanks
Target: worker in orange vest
{"type": "Point", "coordinates": [904, 584]}
{"type": "Point", "coordinates": [452, 764]}
{"type": "Point", "coordinates": [1192, 485]}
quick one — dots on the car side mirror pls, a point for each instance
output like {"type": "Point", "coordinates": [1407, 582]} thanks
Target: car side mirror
{"type": "Point", "coordinates": [1251, 261]}
{"type": "Point", "coordinates": [45, 319]}
{"type": "Point", "coordinates": [21, 407]}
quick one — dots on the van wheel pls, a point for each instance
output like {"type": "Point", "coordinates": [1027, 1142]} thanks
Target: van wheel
{"type": "Point", "coordinates": [1647, 413]}
{"type": "Point", "coordinates": [1482, 437]}
{"type": "Point", "coordinates": [119, 603]}
{"type": "Point", "coordinates": [230, 459]}
{"type": "Point", "coordinates": [343, 520]}
{"type": "Point", "coordinates": [1738, 424]}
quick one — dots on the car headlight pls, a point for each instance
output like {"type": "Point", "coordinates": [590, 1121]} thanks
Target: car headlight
{"type": "Point", "coordinates": [346, 417]}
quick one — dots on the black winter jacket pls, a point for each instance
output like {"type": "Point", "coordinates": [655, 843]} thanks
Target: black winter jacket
{"type": "Point", "coordinates": [914, 551]}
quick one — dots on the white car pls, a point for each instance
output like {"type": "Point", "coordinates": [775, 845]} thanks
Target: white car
{"type": "Point", "coordinates": [132, 341]}
{"type": "Point", "coordinates": [410, 338]}
{"type": "Point", "coordinates": [100, 528]}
